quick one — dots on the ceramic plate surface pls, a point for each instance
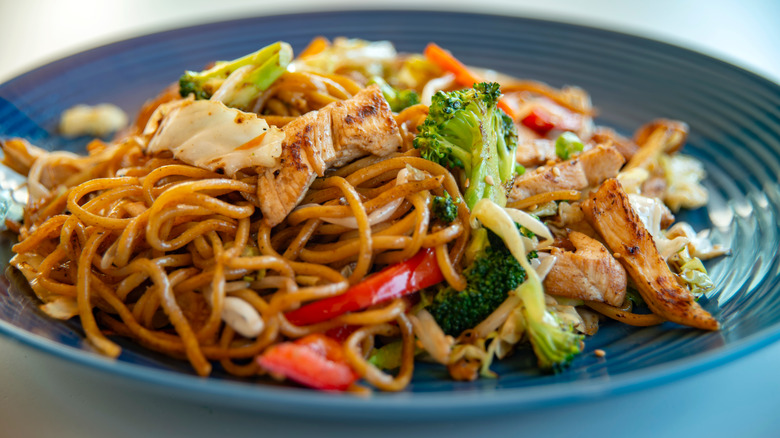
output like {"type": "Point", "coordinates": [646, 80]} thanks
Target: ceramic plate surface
{"type": "Point", "coordinates": [734, 119]}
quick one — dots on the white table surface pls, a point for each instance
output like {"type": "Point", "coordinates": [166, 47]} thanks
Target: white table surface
{"type": "Point", "coordinates": [41, 396]}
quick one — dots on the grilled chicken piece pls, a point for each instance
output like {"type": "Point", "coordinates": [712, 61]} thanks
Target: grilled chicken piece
{"type": "Point", "coordinates": [655, 138]}
{"type": "Point", "coordinates": [609, 212]}
{"type": "Point", "coordinates": [335, 135]}
{"type": "Point", "coordinates": [626, 147]}
{"type": "Point", "coordinates": [587, 169]}
{"type": "Point", "coordinates": [601, 163]}
{"type": "Point", "coordinates": [535, 152]}
{"type": "Point", "coordinates": [280, 189]}
{"type": "Point", "coordinates": [675, 133]}
{"type": "Point", "coordinates": [566, 175]}
{"type": "Point", "coordinates": [589, 273]}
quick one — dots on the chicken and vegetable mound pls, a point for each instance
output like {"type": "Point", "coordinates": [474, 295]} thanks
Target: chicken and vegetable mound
{"type": "Point", "coordinates": [333, 217]}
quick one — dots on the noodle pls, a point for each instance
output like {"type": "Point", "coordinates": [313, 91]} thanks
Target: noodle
{"type": "Point", "coordinates": [543, 198]}
{"type": "Point", "coordinates": [625, 316]}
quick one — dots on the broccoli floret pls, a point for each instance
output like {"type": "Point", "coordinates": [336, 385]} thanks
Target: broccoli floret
{"type": "Point", "coordinates": [266, 65]}
{"type": "Point", "coordinates": [445, 208]}
{"type": "Point", "coordinates": [399, 100]}
{"type": "Point", "coordinates": [489, 279]}
{"type": "Point", "coordinates": [554, 344]}
{"type": "Point", "coordinates": [465, 129]}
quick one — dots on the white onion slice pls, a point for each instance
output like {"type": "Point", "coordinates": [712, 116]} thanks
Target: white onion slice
{"type": "Point", "coordinates": [242, 317]}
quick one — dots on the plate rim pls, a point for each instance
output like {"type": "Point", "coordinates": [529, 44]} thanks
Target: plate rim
{"type": "Point", "coordinates": [76, 54]}
{"type": "Point", "coordinates": [413, 406]}
{"type": "Point", "coordinates": [381, 405]}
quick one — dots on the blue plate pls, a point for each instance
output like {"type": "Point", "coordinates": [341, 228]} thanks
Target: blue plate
{"type": "Point", "coordinates": [734, 118]}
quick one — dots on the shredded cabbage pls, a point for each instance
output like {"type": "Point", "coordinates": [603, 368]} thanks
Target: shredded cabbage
{"type": "Point", "coordinates": [650, 211]}
{"type": "Point", "coordinates": [683, 176]}
{"type": "Point", "coordinates": [631, 180]}
{"type": "Point", "coordinates": [692, 271]}
{"type": "Point", "coordinates": [367, 56]}
{"type": "Point", "coordinates": [699, 244]}
{"type": "Point", "coordinates": [209, 135]}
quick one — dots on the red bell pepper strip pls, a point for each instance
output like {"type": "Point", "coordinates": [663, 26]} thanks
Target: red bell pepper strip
{"type": "Point", "coordinates": [539, 121]}
{"type": "Point", "coordinates": [463, 76]}
{"type": "Point", "coordinates": [395, 281]}
{"type": "Point", "coordinates": [543, 121]}
{"type": "Point", "coordinates": [316, 361]}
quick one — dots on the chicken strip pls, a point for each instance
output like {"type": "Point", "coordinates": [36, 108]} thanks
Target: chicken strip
{"type": "Point", "coordinates": [587, 169]}
{"type": "Point", "coordinates": [589, 273]}
{"type": "Point", "coordinates": [601, 163]}
{"type": "Point", "coordinates": [333, 136]}
{"type": "Point", "coordinates": [608, 210]}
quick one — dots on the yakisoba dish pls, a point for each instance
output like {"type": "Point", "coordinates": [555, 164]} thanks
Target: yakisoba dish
{"type": "Point", "coordinates": [333, 217]}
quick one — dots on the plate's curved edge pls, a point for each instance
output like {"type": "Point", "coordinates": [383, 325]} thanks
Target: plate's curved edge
{"type": "Point", "coordinates": [417, 407]}
{"type": "Point", "coordinates": [420, 406]}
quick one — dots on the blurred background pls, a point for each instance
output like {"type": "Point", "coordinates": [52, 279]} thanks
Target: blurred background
{"type": "Point", "coordinates": [41, 396]}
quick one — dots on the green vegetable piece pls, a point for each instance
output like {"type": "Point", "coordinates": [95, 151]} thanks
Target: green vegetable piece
{"type": "Point", "coordinates": [266, 65]}
{"type": "Point", "coordinates": [466, 130]}
{"type": "Point", "coordinates": [566, 144]}
{"type": "Point", "coordinates": [387, 357]}
{"type": "Point", "coordinates": [489, 279]}
{"type": "Point", "coordinates": [399, 100]}
{"type": "Point", "coordinates": [692, 271]}
{"type": "Point", "coordinates": [477, 243]}
{"type": "Point", "coordinates": [445, 208]}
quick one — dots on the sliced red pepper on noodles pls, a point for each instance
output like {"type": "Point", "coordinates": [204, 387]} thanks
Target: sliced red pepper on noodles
{"type": "Point", "coordinates": [409, 276]}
